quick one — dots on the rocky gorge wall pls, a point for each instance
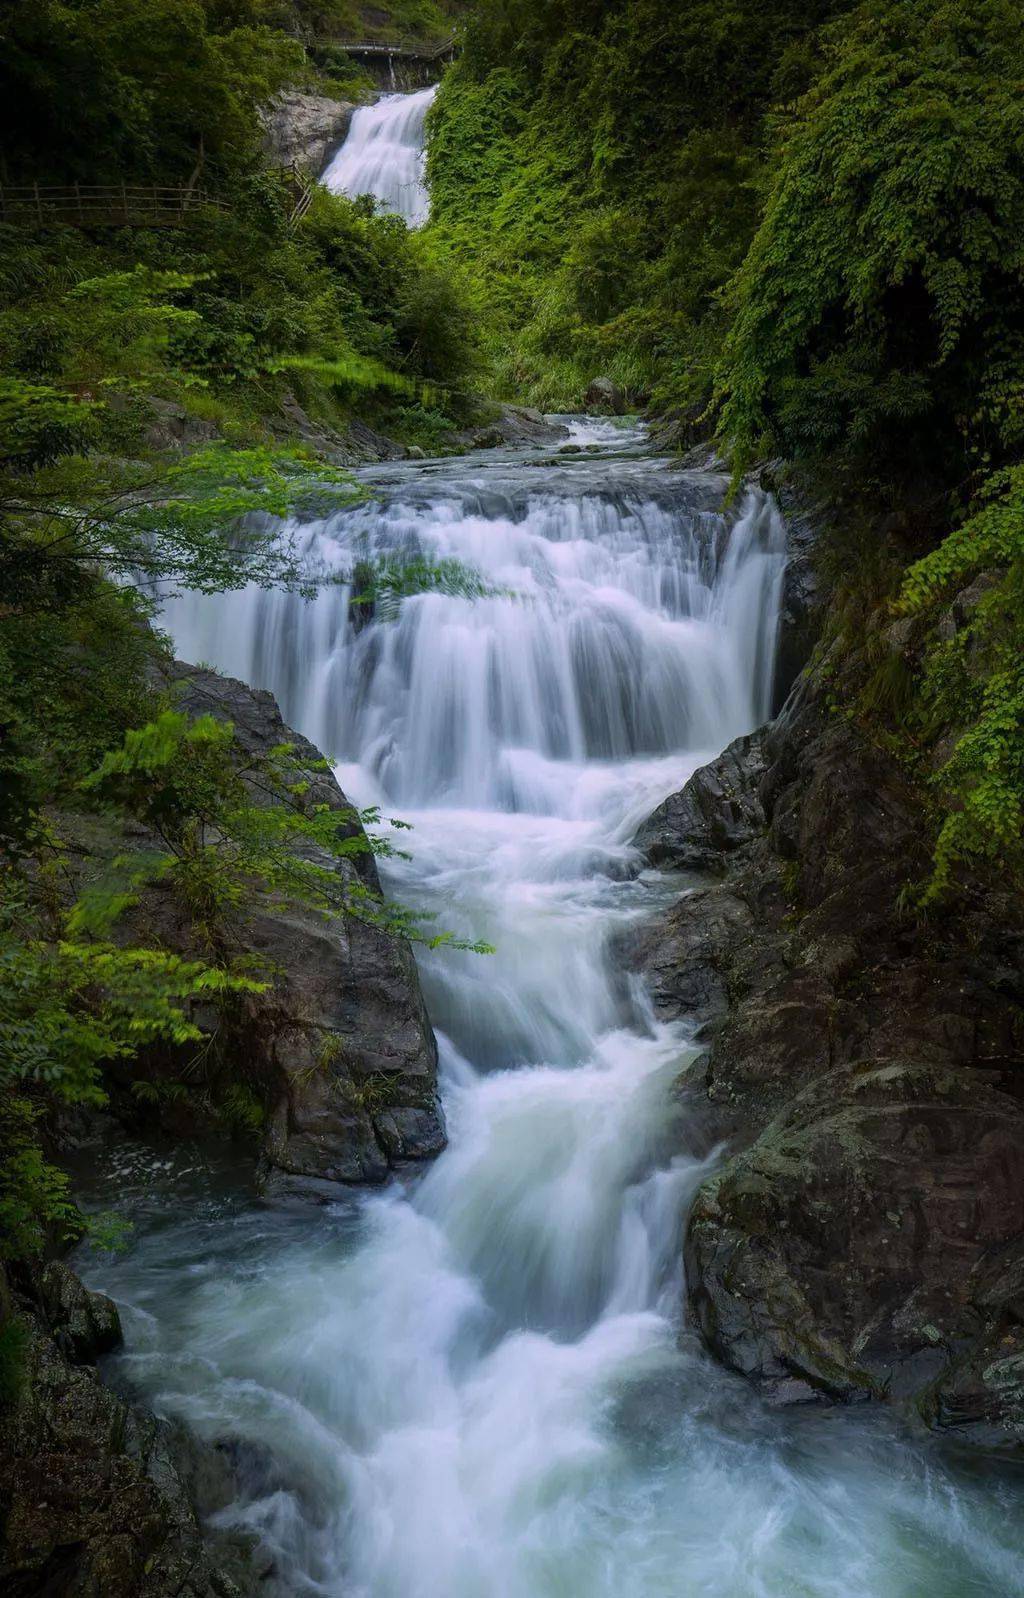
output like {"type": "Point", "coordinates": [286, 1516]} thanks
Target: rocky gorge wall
{"type": "Point", "coordinates": [96, 1496]}
{"type": "Point", "coordinates": [864, 1238]}
{"type": "Point", "coordinates": [95, 1500]}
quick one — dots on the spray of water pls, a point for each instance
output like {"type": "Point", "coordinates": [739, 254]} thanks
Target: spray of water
{"type": "Point", "coordinates": [383, 155]}
{"type": "Point", "coordinates": [481, 1386]}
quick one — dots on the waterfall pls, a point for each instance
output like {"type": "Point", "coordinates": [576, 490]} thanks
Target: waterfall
{"type": "Point", "coordinates": [477, 1385]}
{"type": "Point", "coordinates": [383, 155]}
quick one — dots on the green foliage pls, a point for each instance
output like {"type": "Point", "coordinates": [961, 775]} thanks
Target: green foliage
{"type": "Point", "coordinates": [13, 1348]}
{"type": "Point", "coordinates": [878, 314]}
{"type": "Point", "coordinates": [600, 162]}
{"type": "Point", "coordinates": [974, 681]}
{"type": "Point", "coordinates": [107, 90]}
{"type": "Point", "coordinates": [35, 1196]}
{"type": "Point", "coordinates": [68, 1007]}
{"type": "Point", "coordinates": [386, 583]}
{"type": "Point", "coordinates": [232, 825]}
{"type": "Point", "coordinates": [878, 336]}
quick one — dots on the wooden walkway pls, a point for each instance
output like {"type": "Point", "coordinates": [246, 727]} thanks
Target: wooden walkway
{"type": "Point", "coordinates": [127, 205]}
{"type": "Point", "coordinates": [406, 49]}
{"type": "Point", "coordinates": [101, 204]}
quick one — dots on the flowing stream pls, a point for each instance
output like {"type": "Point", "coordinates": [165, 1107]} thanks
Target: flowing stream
{"type": "Point", "coordinates": [383, 155]}
{"type": "Point", "coordinates": [478, 1383]}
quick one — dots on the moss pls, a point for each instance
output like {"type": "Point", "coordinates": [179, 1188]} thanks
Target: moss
{"type": "Point", "coordinates": [14, 1339]}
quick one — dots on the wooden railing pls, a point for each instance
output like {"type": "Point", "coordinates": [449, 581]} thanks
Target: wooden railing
{"type": "Point", "coordinates": [301, 189]}
{"type": "Point", "coordinates": [101, 204]}
{"type": "Point", "coordinates": [410, 49]}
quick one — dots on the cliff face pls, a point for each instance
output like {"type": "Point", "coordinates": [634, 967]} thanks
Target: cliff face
{"type": "Point", "coordinates": [865, 1237]}
{"type": "Point", "coordinates": [305, 130]}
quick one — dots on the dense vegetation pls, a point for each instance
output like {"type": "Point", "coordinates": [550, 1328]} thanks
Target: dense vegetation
{"type": "Point", "coordinates": [148, 378]}
{"type": "Point", "coordinates": [798, 227]}
{"type": "Point", "coordinates": [603, 164]}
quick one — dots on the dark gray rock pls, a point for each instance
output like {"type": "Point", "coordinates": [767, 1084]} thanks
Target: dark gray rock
{"type": "Point", "coordinates": [866, 1237]}
{"type": "Point", "coordinates": [356, 444]}
{"type": "Point", "coordinates": [604, 394]}
{"type": "Point", "coordinates": [511, 427]}
{"type": "Point", "coordinates": [685, 955]}
{"type": "Point", "coordinates": [844, 1246]}
{"type": "Point", "coordinates": [85, 1324]}
{"type": "Point", "coordinates": [717, 812]}
{"type": "Point", "coordinates": [92, 1502]}
{"type": "Point", "coordinates": [340, 1048]}
{"type": "Point", "coordinates": [172, 427]}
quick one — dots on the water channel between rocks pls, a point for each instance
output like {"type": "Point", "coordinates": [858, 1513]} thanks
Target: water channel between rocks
{"type": "Point", "coordinates": [479, 1384]}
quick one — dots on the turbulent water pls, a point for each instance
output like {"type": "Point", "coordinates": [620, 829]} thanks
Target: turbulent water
{"type": "Point", "coordinates": [383, 155]}
{"type": "Point", "coordinates": [480, 1385]}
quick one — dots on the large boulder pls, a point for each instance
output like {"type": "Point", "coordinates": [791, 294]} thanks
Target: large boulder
{"type": "Point", "coordinates": [716, 813]}
{"type": "Point", "coordinates": [93, 1503]}
{"type": "Point", "coordinates": [340, 1049]}
{"type": "Point", "coordinates": [604, 394]}
{"type": "Point", "coordinates": [304, 130]}
{"type": "Point", "coordinates": [511, 427]}
{"type": "Point", "coordinates": [85, 1324]}
{"type": "Point", "coordinates": [848, 1250]}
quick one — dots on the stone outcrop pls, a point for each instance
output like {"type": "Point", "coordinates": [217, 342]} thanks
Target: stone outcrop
{"type": "Point", "coordinates": [865, 1238]}
{"type": "Point", "coordinates": [604, 394]}
{"type": "Point", "coordinates": [305, 130]}
{"type": "Point", "coordinates": [353, 444]}
{"type": "Point", "coordinates": [93, 1503]}
{"type": "Point", "coordinates": [511, 427]}
{"type": "Point", "coordinates": [340, 1049]}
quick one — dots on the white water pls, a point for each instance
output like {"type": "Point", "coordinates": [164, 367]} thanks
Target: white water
{"type": "Point", "coordinates": [475, 1387]}
{"type": "Point", "coordinates": [383, 155]}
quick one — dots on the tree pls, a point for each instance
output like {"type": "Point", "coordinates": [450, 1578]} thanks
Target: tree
{"type": "Point", "coordinates": [879, 315]}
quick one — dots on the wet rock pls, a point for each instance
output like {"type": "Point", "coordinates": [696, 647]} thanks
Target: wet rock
{"type": "Point", "coordinates": [981, 1398]}
{"type": "Point", "coordinates": [717, 811]}
{"type": "Point", "coordinates": [172, 427]}
{"type": "Point", "coordinates": [340, 1047]}
{"type": "Point", "coordinates": [92, 1504]}
{"type": "Point", "coordinates": [305, 130]}
{"type": "Point", "coordinates": [85, 1324]}
{"type": "Point", "coordinates": [685, 955]}
{"type": "Point", "coordinates": [841, 1248]}
{"type": "Point", "coordinates": [511, 427]}
{"type": "Point", "coordinates": [682, 430]}
{"type": "Point", "coordinates": [866, 1236]}
{"type": "Point", "coordinates": [355, 445]}
{"type": "Point", "coordinates": [605, 395]}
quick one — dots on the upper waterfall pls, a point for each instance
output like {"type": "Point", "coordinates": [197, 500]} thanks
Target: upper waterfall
{"type": "Point", "coordinates": [383, 155]}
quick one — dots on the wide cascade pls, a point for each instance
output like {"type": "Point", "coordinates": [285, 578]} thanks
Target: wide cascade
{"type": "Point", "coordinates": [383, 155]}
{"type": "Point", "coordinates": [479, 1384]}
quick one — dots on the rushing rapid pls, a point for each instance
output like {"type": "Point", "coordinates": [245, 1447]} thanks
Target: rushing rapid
{"type": "Point", "coordinates": [383, 155]}
{"type": "Point", "coordinates": [480, 1384]}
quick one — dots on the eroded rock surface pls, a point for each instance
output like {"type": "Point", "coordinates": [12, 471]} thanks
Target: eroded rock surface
{"type": "Point", "coordinates": [92, 1501]}
{"type": "Point", "coordinates": [511, 427]}
{"type": "Point", "coordinates": [866, 1235]}
{"type": "Point", "coordinates": [340, 1049]}
{"type": "Point", "coordinates": [304, 130]}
